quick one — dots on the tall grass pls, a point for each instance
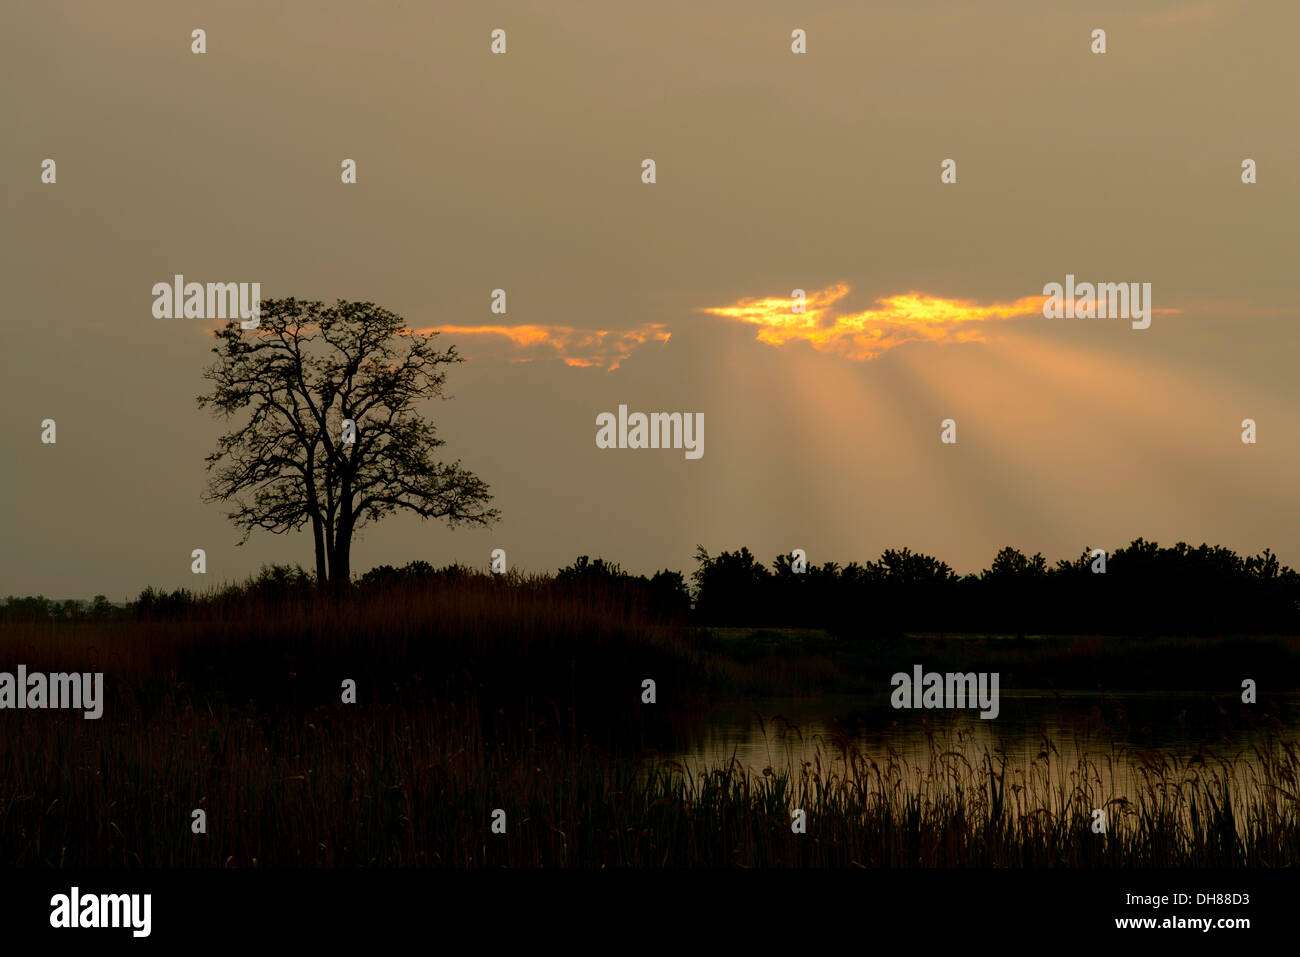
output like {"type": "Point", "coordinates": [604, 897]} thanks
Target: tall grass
{"type": "Point", "coordinates": [486, 695]}
{"type": "Point", "coordinates": [400, 785]}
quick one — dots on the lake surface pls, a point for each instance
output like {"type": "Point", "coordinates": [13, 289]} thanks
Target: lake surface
{"type": "Point", "coordinates": [1114, 746]}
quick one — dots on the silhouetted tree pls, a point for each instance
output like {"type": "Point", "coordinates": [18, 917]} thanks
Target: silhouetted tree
{"type": "Point", "coordinates": [1146, 590]}
{"type": "Point", "coordinates": [302, 372]}
{"type": "Point", "coordinates": [663, 597]}
{"type": "Point", "coordinates": [731, 588]}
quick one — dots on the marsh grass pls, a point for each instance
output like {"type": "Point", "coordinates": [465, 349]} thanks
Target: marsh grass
{"type": "Point", "coordinates": [402, 785]}
{"type": "Point", "coordinates": [485, 695]}
{"type": "Point", "coordinates": [959, 804]}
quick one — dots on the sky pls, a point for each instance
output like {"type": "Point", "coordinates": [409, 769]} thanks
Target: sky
{"type": "Point", "coordinates": [774, 171]}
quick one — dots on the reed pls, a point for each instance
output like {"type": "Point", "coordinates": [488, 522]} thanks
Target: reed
{"type": "Point", "coordinates": [486, 695]}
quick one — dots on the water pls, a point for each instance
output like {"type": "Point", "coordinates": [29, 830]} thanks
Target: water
{"type": "Point", "coordinates": [1122, 746]}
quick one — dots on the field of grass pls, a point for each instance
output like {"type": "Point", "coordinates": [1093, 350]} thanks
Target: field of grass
{"type": "Point", "coordinates": [488, 694]}
{"type": "Point", "coordinates": [400, 786]}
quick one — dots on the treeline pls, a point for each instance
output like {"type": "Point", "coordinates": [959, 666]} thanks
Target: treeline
{"type": "Point", "coordinates": [662, 597]}
{"type": "Point", "coordinates": [1144, 589]}
{"type": "Point", "coordinates": [40, 608]}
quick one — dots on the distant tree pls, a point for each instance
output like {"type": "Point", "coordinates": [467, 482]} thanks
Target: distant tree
{"type": "Point", "coordinates": [156, 604]}
{"type": "Point", "coordinates": [37, 608]}
{"type": "Point", "coordinates": [669, 596]}
{"type": "Point", "coordinates": [907, 568]}
{"type": "Point", "coordinates": [412, 573]}
{"type": "Point", "coordinates": [301, 373]}
{"type": "Point", "coordinates": [664, 596]}
{"type": "Point", "coordinates": [276, 583]}
{"type": "Point", "coordinates": [1266, 566]}
{"type": "Point", "coordinates": [585, 570]}
{"type": "Point", "coordinates": [100, 608]}
{"type": "Point", "coordinates": [1013, 563]}
{"type": "Point", "coordinates": [731, 587]}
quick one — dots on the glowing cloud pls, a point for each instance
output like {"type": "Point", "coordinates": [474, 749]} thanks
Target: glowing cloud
{"type": "Point", "coordinates": [599, 348]}
{"type": "Point", "coordinates": [909, 317]}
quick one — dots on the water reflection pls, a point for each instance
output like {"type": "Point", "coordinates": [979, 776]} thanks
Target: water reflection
{"type": "Point", "coordinates": [1058, 750]}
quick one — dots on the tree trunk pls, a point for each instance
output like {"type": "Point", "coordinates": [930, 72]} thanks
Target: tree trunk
{"type": "Point", "coordinates": [341, 560]}
{"type": "Point", "coordinates": [322, 569]}
{"type": "Point", "coordinates": [341, 556]}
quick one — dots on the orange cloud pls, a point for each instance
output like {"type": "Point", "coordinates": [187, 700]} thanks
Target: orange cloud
{"type": "Point", "coordinates": [909, 317]}
{"type": "Point", "coordinates": [583, 348]}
